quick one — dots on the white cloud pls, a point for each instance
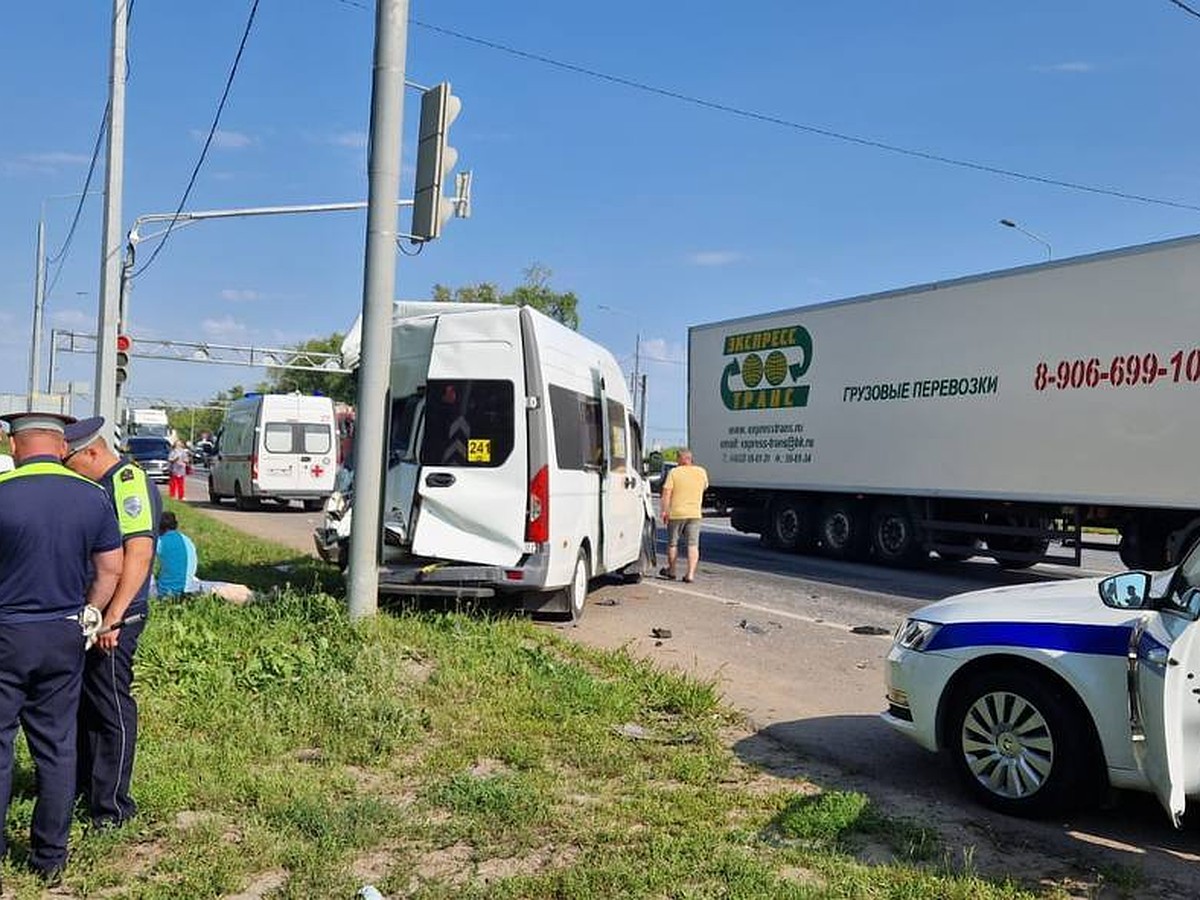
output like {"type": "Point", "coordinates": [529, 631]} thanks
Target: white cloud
{"type": "Point", "coordinates": [47, 163]}
{"type": "Point", "coordinates": [227, 140]}
{"type": "Point", "coordinates": [714, 257]}
{"type": "Point", "coordinates": [240, 295]}
{"type": "Point", "coordinates": [226, 328]}
{"type": "Point", "coordinates": [663, 351]}
{"type": "Point", "coordinates": [355, 140]}
{"type": "Point", "coordinates": [73, 319]}
{"type": "Point", "coordinates": [58, 158]}
{"type": "Point", "coordinates": [1071, 68]}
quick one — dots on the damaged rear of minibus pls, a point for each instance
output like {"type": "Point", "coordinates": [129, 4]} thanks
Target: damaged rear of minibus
{"type": "Point", "coordinates": [514, 461]}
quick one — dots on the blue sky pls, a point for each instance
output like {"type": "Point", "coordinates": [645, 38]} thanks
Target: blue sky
{"type": "Point", "coordinates": [670, 213]}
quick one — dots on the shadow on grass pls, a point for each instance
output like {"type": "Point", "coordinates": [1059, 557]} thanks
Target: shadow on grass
{"type": "Point", "coordinates": [921, 803]}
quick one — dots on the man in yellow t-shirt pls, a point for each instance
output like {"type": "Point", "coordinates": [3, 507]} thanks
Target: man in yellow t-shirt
{"type": "Point", "coordinates": [682, 494]}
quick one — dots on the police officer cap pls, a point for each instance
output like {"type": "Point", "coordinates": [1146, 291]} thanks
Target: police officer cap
{"type": "Point", "coordinates": [40, 421]}
{"type": "Point", "coordinates": [80, 434]}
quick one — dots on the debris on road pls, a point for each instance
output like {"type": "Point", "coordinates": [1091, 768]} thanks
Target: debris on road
{"type": "Point", "coordinates": [869, 629]}
{"type": "Point", "coordinates": [660, 633]}
{"type": "Point", "coordinates": [755, 628]}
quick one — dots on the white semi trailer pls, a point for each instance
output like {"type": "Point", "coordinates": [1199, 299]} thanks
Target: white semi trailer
{"type": "Point", "coordinates": [988, 415]}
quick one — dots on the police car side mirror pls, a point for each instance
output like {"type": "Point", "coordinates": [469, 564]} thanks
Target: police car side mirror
{"type": "Point", "coordinates": [1127, 590]}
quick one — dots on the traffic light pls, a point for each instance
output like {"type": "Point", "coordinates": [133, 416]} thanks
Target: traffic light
{"type": "Point", "coordinates": [124, 345]}
{"type": "Point", "coordinates": [435, 160]}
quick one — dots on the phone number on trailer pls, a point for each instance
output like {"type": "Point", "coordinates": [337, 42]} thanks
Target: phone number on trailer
{"type": "Point", "coordinates": [1134, 369]}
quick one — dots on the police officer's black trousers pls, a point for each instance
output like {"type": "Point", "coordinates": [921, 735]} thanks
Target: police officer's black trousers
{"type": "Point", "coordinates": [41, 666]}
{"type": "Point", "coordinates": [108, 722]}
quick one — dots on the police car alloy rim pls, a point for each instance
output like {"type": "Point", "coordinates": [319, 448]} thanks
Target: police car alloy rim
{"type": "Point", "coordinates": [1007, 745]}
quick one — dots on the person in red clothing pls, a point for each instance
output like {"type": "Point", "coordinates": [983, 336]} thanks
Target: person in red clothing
{"type": "Point", "coordinates": [180, 461]}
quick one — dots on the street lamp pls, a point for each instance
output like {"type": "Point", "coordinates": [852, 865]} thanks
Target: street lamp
{"type": "Point", "coordinates": [39, 289]}
{"type": "Point", "coordinates": [1009, 223]}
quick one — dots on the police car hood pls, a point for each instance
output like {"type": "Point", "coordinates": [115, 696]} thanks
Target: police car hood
{"type": "Point", "coordinates": [1076, 600]}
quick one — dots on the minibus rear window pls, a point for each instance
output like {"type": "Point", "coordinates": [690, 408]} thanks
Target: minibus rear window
{"type": "Point", "coordinates": [468, 423]}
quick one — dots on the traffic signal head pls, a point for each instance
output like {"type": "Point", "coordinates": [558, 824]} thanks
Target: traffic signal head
{"type": "Point", "coordinates": [124, 345]}
{"type": "Point", "coordinates": [435, 161]}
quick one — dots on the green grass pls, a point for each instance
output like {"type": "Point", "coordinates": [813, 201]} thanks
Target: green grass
{"type": "Point", "coordinates": [440, 755]}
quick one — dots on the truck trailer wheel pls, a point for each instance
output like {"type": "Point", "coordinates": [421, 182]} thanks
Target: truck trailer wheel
{"type": "Point", "coordinates": [790, 525]}
{"type": "Point", "coordinates": [842, 529]}
{"type": "Point", "coordinates": [1018, 543]}
{"type": "Point", "coordinates": [894, 537]}
{"type": "Point", "coordinates": [1143, 548]}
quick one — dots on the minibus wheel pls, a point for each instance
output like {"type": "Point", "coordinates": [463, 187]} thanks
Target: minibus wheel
{"type": "Point", "coordinates": [575, 593]}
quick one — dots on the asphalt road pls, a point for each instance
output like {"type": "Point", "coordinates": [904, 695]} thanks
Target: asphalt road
{"type": "Point", "coordinates": [776, 633]}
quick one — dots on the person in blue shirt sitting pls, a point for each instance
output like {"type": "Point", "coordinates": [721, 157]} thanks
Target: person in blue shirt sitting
{"type": "Point", "coordinates": [177, 561]}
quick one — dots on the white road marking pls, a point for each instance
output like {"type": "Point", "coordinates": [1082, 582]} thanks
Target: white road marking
{"type": "Point", "coordinates": [768, 610]}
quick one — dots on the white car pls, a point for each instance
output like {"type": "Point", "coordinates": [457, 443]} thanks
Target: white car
{"type": "Point", "coordinates": [1041, 693]}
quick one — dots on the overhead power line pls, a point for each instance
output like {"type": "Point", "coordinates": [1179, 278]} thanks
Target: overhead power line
{"type": "Point", "coordinates": [207, 141]}
{"type": "Point", "coordinates": [1187, 9]}
{"type": "Point", "coordinates": [61, 256]}
{"type": "Point", "coordinates": [800, 126]}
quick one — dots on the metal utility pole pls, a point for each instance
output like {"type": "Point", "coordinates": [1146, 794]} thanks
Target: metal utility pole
{"type": "Point", "coordinates": [39, 300]}
{"type": "Point", "coordinates": [379, 287]}
{"type": "Point", "coordinates": [107, 320]}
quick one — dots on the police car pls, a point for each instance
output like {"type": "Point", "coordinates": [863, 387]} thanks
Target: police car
{"type": "Point", "coordinates": [1040, 694]}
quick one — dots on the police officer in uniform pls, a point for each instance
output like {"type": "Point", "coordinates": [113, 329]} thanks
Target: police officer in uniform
{"type": "Point", "coordinates": [108, 715]}
{"type": "Point", "coordinates": [56, 531]}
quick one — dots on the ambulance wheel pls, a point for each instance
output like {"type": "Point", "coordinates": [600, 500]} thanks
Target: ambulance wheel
{"type": "Point", "coordinates": [213, 497]}
{"type": "Point", "coordinates": [241, 501]}
{"type": "Point", "coordinates": [313, 505]}
{"type": "Point", "coordinates": [1019, 743]}
{"type": "Point", "coordinates": [574, 595]}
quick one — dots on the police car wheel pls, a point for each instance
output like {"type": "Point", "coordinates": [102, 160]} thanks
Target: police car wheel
{"type": "Point", "coordinates": [1019, 743]}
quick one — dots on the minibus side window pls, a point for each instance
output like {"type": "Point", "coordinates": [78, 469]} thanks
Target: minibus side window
{"type": "Point", "coordinates": [617, 453]}
{"type": "Point", "coordinates": [576, 420]}
{"type": "Point", "coordinates": [468, 423]}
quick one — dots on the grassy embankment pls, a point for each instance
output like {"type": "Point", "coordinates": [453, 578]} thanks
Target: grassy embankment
{"type": "Point", "coordinates": [286, 753]}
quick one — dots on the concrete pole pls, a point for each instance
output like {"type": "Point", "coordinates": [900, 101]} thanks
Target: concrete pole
{"type": "Point", "coordinates": [39, 300]}
{"type": "Point", "coordinates": [642, 408]}
{"type": "Point", "coordinates": [379, 291]}
{"type": "Point", "coordinates": [53, 360]}
{"type": "Point", "coordinates": [104, 391]}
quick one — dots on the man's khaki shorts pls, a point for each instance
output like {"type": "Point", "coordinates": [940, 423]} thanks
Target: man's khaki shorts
{"type": "Point", "coordinates": [689, 528]}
